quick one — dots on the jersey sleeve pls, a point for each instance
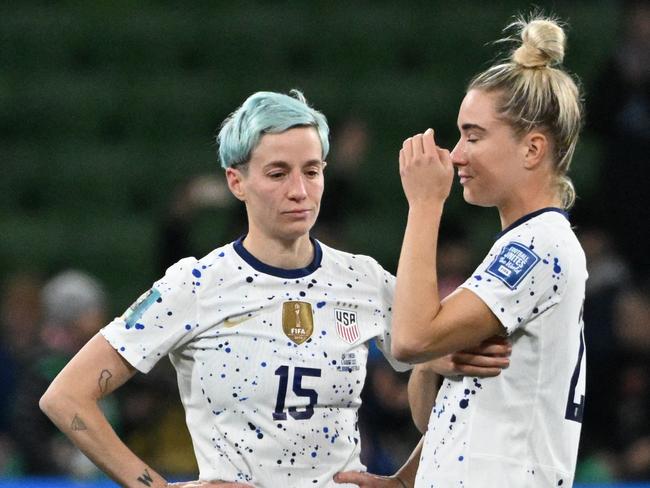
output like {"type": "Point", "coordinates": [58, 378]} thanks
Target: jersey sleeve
{"type": "Point", "coordinates": [518, 282]}
{"type": "Point", "coordinates": [386, 290]}
{"type": "Point", "coordinates": [163, 319]}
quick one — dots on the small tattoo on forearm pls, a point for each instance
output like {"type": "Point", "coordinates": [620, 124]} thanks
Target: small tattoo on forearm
{"type": "Point", "coordinates": [103, 381]}
{"type": "Point", "coordinates": [146, 478]}
{"type": "Point", "coordinates": [78, 424]}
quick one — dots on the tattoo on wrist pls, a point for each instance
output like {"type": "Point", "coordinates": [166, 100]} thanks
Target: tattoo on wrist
{"type": "Point", "coordinates": [103, 381]}
{"type": "Point", "coordinates": [146, 478]}
{"type": "Point", "coordinates": [401, 481]}
{"type": "Point", "coordinates": [78, 424]}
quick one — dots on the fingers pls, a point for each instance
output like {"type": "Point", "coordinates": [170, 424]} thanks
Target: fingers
{"type": "Point", "coordinates": [494, 346]}
{"type": "Point", "coordinates": [497, 339]}
{"type": "Point", "coordinates": [502, 350]}
{"type": "Point", "coordinates": [407, 149]}
{"type": "Point", "coordinates": [468, 359]}
{"type": "Point", "coordinates": [478, 372]}
{"type": "Point", "coordinates": [416, 143]}
{"type": "Point", "coordinates": [209, 484]}
{"type": "Point", "coordinates": [354, 477]}
{"type": "Point", "coordinates": [443, 366]}
{"type": "Point", "coordinates": [428, 142]}
{"type": "Point", "coordinates": [444, 156]}
{"type": "Point", "coordinates": [420, 144]}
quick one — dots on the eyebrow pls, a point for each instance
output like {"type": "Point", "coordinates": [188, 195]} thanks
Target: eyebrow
{"type": "Point", "coordinates": [284, 164]}
{"type": "Point", "coordinates": [467, 127]}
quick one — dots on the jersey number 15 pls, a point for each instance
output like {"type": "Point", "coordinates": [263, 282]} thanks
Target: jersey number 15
{"type": "Point", "coordinates": [312, 395]}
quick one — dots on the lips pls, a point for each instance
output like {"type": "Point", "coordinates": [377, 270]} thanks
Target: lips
{"type": "Point", "coordinates": [298, 212]}
{"type": "Point", "coordinates": [464, 178]}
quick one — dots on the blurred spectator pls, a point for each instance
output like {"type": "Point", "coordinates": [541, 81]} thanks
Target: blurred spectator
{"type": "Point", "coordinates": [632, 422]}
{"type": "Point", "coordinates": [351, 139]}
{"type": "Point", "coordinates": [619, 111]}
{"type": "Point", "coordinates": [177, 238]}
{"type": "Point", "coordinates": [74, 309]}
{"type": "Point", "coordinates": [19, 321]}
{"type": "Point", "coordinates": [20, 313]}
{"type": "Point", "coordinates": [616, 434]}
{"type": "Point", "coordinates": [609, 277]}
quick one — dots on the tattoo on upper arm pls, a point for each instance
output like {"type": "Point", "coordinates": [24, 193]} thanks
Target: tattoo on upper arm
{"type": "Point", "coordinates": [103, 381]}
{"type": "Point", "coordinates": [146, 478]}
{"type": "Point", "coordinates": [78, 424]}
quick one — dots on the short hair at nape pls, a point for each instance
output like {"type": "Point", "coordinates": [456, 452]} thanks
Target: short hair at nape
{"type": "Point", "coordinates": [266, 113]}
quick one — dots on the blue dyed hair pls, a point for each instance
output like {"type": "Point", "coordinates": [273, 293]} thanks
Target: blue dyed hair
{"type": "Point", "coordinates": [266, 113]}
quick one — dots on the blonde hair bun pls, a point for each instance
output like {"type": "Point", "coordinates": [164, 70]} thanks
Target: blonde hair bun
{"type": "Point", "coordinates": [543, 43]}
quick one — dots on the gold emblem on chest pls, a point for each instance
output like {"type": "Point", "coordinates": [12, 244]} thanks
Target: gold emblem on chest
{"type": "Point", "coordinates": [297, 321]}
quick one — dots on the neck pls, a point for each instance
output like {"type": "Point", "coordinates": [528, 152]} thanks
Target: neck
{"type": "Point", "coordinates": [524, 204]}
{"type": "Point", "coordinates": [285, 254]}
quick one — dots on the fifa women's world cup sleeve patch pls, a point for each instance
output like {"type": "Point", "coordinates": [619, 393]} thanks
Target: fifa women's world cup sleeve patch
{"type": "Point", "coordinates": [139, 307]}
{"type": "Point", "coordinates": [512, 264]}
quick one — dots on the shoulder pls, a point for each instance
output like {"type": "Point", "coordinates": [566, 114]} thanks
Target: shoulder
{"type": "Point", "coordinates": [335, 258]}
{"type": "Point", "coordinates": [192, 272]}
{"type": "Point", "coordinates": [547, 235]}
{"type": "Point", "coordinates": [218, 258]}
{"type": "Point", "coordinates": [545, 245]}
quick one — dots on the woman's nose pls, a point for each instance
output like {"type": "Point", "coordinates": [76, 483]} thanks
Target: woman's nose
{"type": "Point", "coordinates": [297, 189]}
{"type": "Point", "coordinates": [458, 155]}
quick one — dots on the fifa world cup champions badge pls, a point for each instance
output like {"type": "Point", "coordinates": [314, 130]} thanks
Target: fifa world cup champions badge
{"type": "Point", "coordinates": [297, 321]}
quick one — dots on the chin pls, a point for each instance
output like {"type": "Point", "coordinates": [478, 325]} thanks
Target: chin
{"type": "Point", "coordinates": [298, 230]}
{"type": "Point", "coordinates": [474, 199]}
{"type": "Point", "coordinates": [469, 197]}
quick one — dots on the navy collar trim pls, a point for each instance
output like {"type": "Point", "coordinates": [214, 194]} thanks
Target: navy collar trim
{"type": "Point", "coordinates": [279, 272]}
{"type": "Point", "coordinates": [529, 216]}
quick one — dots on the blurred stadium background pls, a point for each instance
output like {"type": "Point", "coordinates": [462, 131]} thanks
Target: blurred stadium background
{"type": "Point", "coordinates": [108, 112]}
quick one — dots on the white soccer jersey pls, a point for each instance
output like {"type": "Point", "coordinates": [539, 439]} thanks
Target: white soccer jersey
{"type": "Point", "coordinates": [521, 428]}
{"type": "Point", "coordinates": [270, 362]}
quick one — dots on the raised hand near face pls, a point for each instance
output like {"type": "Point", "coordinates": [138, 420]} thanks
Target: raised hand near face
{"type": "Point", "coordinates": [425, 169]}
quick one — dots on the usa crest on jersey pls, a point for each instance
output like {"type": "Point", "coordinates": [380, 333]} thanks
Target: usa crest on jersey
{"type": "Point", "coordinates": [347, 327]}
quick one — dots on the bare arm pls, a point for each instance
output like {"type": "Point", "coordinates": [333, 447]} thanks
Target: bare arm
{"type": "Point", "coordinates": [422, 390]}
{"type": "Point", "coordinates": [71, 403]}
{"type": "Point", "coordinates": [486, 360]}
{"type": "Point", "coordinates": [424, 327]}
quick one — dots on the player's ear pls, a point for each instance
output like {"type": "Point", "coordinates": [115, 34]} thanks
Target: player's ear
{"type": "Point", "coordinates": [536, 146]}
{"type": "Point", "coordinates": [235, 179]}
